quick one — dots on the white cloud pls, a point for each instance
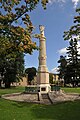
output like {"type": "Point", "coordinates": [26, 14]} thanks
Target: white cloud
{"type": "Point", "coordinates": [62, 51]}
{"type": "Point", "coordinates": [53, 1]}
{"type": "Point", "coordinates": [75, 2]}
{"type": "Point", "coordinates": [54, 70]}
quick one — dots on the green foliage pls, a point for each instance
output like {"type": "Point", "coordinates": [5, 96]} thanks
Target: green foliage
{"type": "Point", "coordinates": [71, 71]}
{"type": "Point", "coordinates": [62, 66]}
{"type": "Point", "coordinates": [73, 62]}
{"type": "Point", "coordinates": [28, 4]}
{"type": "Point", "coordinates": [14, 38]}
{"type": "Point", "coordinates": [11, 70]}
{"type": "Point", "coordinates": [74, 30]}
{"type": "Point", "coordinates": [31, 72]}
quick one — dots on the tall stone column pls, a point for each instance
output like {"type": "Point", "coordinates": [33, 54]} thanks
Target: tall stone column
{"type": "Point", "coordinates": [43, 74]}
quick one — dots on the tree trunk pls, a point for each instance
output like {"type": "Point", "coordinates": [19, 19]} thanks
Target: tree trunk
{"type": "Point", "coordinates": [0, 83]}
{"type": "Point", "coordinates": [7, 84]}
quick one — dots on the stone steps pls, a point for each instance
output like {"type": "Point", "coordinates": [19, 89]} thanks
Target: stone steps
{"type": "Point", "coordinates": [46, 99]}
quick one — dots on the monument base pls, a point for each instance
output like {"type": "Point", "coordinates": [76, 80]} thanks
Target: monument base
{"type": "Point", "coordinates": [44, 88]}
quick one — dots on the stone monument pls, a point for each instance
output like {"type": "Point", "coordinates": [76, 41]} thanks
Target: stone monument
{"type": "Point", "coordinates": [43, 74]}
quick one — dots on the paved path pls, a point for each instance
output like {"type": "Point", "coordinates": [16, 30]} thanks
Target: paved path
{"type": "Point", "coordinates": [49, 98]}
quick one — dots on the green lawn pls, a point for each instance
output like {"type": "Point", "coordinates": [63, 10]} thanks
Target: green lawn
{"type": "Point", "coordinates": [10, 110]}
{"type": "Point", "coordinates": [12, 90]}
{"type": "Point", "coordinates": [71, 90]}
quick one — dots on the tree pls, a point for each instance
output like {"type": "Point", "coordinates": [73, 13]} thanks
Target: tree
{"type": "Point", "coordinates": [14, 38]}
{"type": "Point", "coordinates": [31, 72]}
{"type": "Point", "coordinates": [74, 30]}
{"type": "Point", "coordinates": [73, 61]}
{"type": "Point", "coordinates": [73, 65]}
{"type": "Point", "coordinates": [11, 71]}
{"type": "Point", "coordinates": [62, 67]}
{"type": "Point", "coordinates": [69, 69]}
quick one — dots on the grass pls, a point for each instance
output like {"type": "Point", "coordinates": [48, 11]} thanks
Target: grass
{"type": "Point", "coordinates": [11, 90]}
{"type": "Point", "coordinates": [71, 90]}
{"type": "Point", "coordinates": [10, 110]}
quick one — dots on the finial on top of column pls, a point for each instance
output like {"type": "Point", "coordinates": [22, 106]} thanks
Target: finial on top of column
{"type": "Point", "coordinates": [41, 28]}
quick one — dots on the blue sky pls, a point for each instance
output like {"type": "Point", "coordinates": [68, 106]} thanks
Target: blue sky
{"type": "Point", "coordinates": [57, 18]}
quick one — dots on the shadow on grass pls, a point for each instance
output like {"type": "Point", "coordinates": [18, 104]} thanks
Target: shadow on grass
{"type": "Point", "coordinates": [60, 111]}
{"type": "Point", "coordinates": [29, 111]}
{"type": "Point", "coordinates": [63, 111]}
{"type": "Point", "coordinates": [21, 104]}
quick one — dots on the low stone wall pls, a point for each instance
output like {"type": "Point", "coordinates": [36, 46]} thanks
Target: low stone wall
{"type": "Point", "coordinates": [22, 97]}
{"type": "Point", "coordinates": [52, 97]}
{"type": "Point", "coordinates": [59, 96]}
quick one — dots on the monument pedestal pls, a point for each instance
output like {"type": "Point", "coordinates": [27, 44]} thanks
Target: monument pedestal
{"type": "Point", "coordinates": [43, 79]}
{"type": "Point", "coordinates": [44, 88]}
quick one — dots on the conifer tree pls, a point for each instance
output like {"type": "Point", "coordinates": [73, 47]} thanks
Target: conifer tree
{"type": "Point", "coordinates": [73, 62]}
{"type": "Point", "coordinates": [62, 67]}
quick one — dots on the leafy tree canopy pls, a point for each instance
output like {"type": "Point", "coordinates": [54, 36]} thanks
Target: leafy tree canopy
{"type": "Point", "coordinates": [74, 31]}
{"type": "Point", "coordinates": [13, 35]}
{"type": "Point", "coordinates": [31, 72]}
{"type": "Point", "coordinates": [16, 34]}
